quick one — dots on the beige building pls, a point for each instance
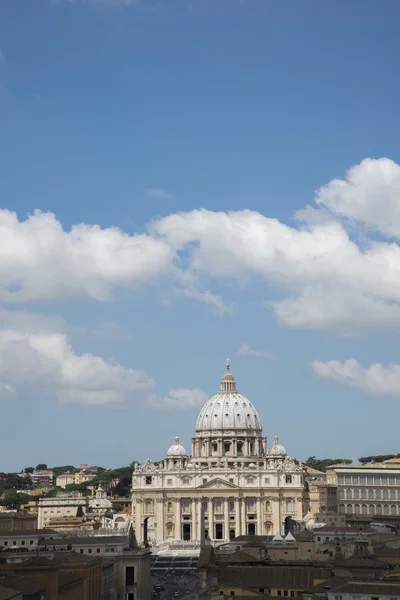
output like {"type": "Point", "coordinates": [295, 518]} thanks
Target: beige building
{"type": "Point", "coordinates": [232, 478]}
{"type": "Point", "coordinates": [372, 489]}
{"type": "Point", "coordinates": [61, 506]}
{"type": "Point", "coordinates": [65, 479]}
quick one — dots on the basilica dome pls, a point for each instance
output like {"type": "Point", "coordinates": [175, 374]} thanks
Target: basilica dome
{"type": "Point", "coordinates": [176, 449]}
{"type": "Point", "coordinates": [228, 409]}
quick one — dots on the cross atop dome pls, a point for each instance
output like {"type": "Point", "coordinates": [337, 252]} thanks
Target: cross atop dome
{"type": "Point", "coordinates": [228, 383]}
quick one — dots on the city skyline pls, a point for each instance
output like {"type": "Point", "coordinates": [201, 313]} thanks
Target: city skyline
{"type": "Point", "coordinates": [182, 182]}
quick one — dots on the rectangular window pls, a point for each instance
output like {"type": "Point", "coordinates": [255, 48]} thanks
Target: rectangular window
{"type": "Point", "coordinates": [129, 576]}
{"type": "Point", "coordinates": [131, 596]}
{"type": "Point", "coordinates": [98, 550]}
{"type": "Point", "coordinates": [169, 481]}
{"type": "Point", "coordinates": [204, 480]}
{"type": "Point", "coordinates": [279, 593]}
{"type": "Point", "coordinates": [285, 592]}
{"type": "Point", "coordinates": [292, 593]}
{"type": "Point", "coordinates": [81, 550]}
{"type": "Point", "coordinates": [148, 480]}
{"type": "Point", "coordinates": [267, 480]}
{"type": "Point", "coordinates": [288, 479]}
{"type": "Point", "coordinates": [89, 551]}
{"type": "Point", "coordinates": [231, 480]}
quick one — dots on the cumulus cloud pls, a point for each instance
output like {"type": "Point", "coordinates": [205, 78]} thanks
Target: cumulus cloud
{"type": "Point", "coordinates": [369, 194]}
{"type": "Point", "coordinates": [45, 362]}
{"type": "Point", "coordinates": [375, 379]}
{"type": "Point", "coordinates": [321, 275]}
{"type": "Point", "coordinates": [245, 350]}
{"type": "Point", "coordinates": [179, 398]}
{"type": "Point", "coordinates": [327, 279]}
{"type": "Point", "coordinates": [39, 260]}
{"type": "Point", "coordinates": [158, 193]}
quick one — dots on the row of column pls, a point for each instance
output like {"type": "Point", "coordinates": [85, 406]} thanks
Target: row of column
{"type": "Point", "coordinates": [250, 447]}
{"type": "Point", "coordinates": [239, 524]}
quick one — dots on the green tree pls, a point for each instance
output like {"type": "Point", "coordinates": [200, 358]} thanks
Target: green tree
{"type": "Point", "coordinates": [13, 499]}
{"type": "Point", "coordinates": [41, 467]}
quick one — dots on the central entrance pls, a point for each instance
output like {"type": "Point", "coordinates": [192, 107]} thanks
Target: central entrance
{"type": "Point", "coordinates": [219, 531]}
{"type": "Point", "coordinates": [186, 532]}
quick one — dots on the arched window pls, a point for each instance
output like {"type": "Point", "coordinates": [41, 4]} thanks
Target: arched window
{"type": "Point", "coordinates": [371, 495]}
{"type": "Point", "coordinates": [363, 493]}
{"type": "Point", "coordinates": [386, 509]}
{"type": "Point", "coordinates": [289, 505]}
{"type": "Point", "coordinates": [378, 494]}
{"type": "Point", "coordinates": [393, 494]}
{"type": "Point", "coordinates": [385, 494]}
{"type": "Point", "coordinates": [357, 509]}
{"type": "Point", "coordinates": [356, 494]}
{"type": "Point", "coordinates": [169, 507]}
{"type": "Point", "coordinates": [378, 509]}
{"type": "Point", "coordinates": [349, 509]}
{"type": "Point", "coordinates": [342, 494]}
{"type": "Point", "coordinates": [149, 506]}
{"type": "Point", "coordinates": [268, 506]}
{"type": "Point", "coordinates": [342, 508]}
{"type": "Point", "coordinates": [371, 509]}
{"type": "Point", "coordinates": [364, 509]}
{"type": "Point", "coordinates": [268, 527]}
{"type": "Point", "coordinates": [349, 494]}
{"type": "Point", "coordinates": [394, 509]}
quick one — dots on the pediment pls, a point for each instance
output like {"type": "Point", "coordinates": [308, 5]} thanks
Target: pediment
{"type": "Point", "coordinates": [217, 483]}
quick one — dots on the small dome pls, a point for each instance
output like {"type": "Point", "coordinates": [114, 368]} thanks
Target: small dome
{"type": "Point", "coordinates": [276, 449]}
{"type": "Point", "coordinates": [176, 449]}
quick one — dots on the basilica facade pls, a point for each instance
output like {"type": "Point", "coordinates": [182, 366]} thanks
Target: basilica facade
{"type": "Point", "coordinates": [232, 482]}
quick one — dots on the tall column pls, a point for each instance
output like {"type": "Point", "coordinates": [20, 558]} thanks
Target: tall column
{"type": "Point", "coordinates": [178, 524]}
{"type": "Point", "coordinates": [211, 534]}
{"type": "Point", "coordinates": [194, 520]}
{"type": "Point", "coordinates": [243, 526]}
{"type": "Point", "coordinates": [226, 518]}
{"type": "Point", "coordinates": [139, 525]}
{"type": "Point", "coordinates": [237, 517]}
{"type": "Point", "coordinates": [160, 519]}
{"type": "Point", "coordinates": [259, 528]}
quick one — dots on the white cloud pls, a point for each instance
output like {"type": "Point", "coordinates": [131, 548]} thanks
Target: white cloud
{"type": "Point", "coordinates": [376, 379]}
{"type": "Point", "coordinates": [328, 280]}
{"type": "Point", "coordinates": [45, 362]}
{"type": "Point", "coordinates": [39, 260]}
{"type": "Point", "coordinates": [245, 350]}
{"type": "Point", "coordinates": [327, 277]}
{"type": "Point", "coordinates": [179, 398]}
{"type": "Point", "coordinates": [158, 193]}
{"type": "Point", "coordinates": [369, 194]}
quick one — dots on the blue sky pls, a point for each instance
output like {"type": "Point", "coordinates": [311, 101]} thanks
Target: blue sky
{"type": "Point", "coordinates": [170, 150]}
